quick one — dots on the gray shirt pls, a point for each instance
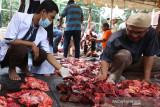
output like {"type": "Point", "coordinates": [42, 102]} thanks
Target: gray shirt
{"type": "Point", "coordinates": [148, 45]}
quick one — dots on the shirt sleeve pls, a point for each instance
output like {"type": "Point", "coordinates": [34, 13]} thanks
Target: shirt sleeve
{"type": "Point", "coordinates": [13, 29]}
{"type": "Point", "coordinates": [81, 12]}
{"type": "Point", "coordinates": [109, 51]}
{"type": "Point", "coordinates": [64, 13]}
{"type": "Point", "coordinates": [106, 35]}
{"type": "Point", "coordinates": [152, 47]}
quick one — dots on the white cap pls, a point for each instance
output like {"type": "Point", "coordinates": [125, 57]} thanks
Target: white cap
{"type": "Point", "coordinates": [139, 20]}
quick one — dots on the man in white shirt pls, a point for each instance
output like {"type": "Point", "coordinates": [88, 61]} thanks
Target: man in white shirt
{"type": "Point", "coordinates": [114, 26]}
{"type": "Point", "coordinates": [123, 25]}
{"type": "Point", "coordinates": [26, 33]}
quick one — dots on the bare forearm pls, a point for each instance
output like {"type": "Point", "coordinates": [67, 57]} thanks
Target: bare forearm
{"type": "Point", "coordinates": [82, 20]}
{"type": "Point", "coordinates": [100, 41]}
{"type": "Point", "coordinates": [18, 41]}
{"type": "Point", "coordinates": [104, 67]}
{"type": "Point", "coordinates": [60, 20]}
{"type": "Point", "coordinates": [52, 60]}
{"type": "Point", "coordinates": [148, 63]}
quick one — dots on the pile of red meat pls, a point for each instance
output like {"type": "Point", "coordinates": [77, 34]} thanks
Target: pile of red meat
{"type": "Point", "coordinates": [80, 66]}
{"type": "Point", "coordinates": [83, 88]}
{"type": "Point", "coordinates": [29, 97]}
{"type": "Point", "coordinates": [137, 88]}
{"type": "Point", "coordinates": [34, 83]}
{"type": "Point", "coordinates": [7, 102]}
{"type": "Point", "coordinates": [32, 97]}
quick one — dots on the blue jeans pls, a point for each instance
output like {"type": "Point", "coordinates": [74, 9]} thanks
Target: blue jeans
{"type": "Point", "coordinates": [57, 34]}
{"type": "Point", "coordinates": [76, 38]}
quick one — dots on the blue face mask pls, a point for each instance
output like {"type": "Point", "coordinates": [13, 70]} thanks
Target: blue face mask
{"type": "Point", "coordinates": [44, 23]}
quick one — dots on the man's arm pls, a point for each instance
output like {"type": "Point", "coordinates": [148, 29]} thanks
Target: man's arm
{"type": "Point", "coordinates": [29, 44]}
{"type": "Point", "coordinates": [104, 70]}
{"type": "Point", "coordinates": [97, 41]}
{"type": "Point", "coordinates": [100, 41]}
{"type": "Point", "coordinates": [89, 19]}
{"type": "Point", "coordinates": [52, 60]}
{"type": "Point", "coordinates": [82, 19]}
{"type": "Point", "coordinates": [65, 72]}
{"type": "Point", "coordinates": [147, 64]}
{"type": "Point", "coordinates": [60, 21]}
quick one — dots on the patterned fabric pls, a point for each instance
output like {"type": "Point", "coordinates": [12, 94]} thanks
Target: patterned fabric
{"type": "Point", "coordinates": [73, 15]}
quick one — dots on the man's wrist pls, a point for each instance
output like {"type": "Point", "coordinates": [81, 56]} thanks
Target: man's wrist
{"type": "Point", "coordinates": [32, 44]}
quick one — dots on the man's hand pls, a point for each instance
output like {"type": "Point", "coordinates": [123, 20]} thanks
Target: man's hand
{"type": "Point", "coordinates": [146, 80]}
{"type": "Point", "coordinates": [101, 77]}
{"type": "Point", "coordinates": [65, 72]}
{"type": "Point", "coordinates": [35, 51]}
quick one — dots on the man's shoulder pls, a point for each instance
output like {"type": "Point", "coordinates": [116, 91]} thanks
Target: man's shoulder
{"type": "Point", "coordinates": [151, 32]}
{"type": "Point", "coordinates": [74, 5]}
{"type": "Point", "coordinates": [117, 35]}
{"type": "Point", "coordinates": [22, 16]}
{"type": "Point", "coordinates": [108, 31]}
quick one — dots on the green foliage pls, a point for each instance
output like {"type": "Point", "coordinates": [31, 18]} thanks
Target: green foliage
{"type": "Point", "coordinates": [6, 13]}
{"type": "Point", "coordinates": [61, 4]}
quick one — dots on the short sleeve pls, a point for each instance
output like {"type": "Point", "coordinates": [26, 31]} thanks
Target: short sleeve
{"type": "Point", "coordinates": [64, 13]}
{"type": "Point", "coordinates": [109, 51]}
{"type": "Point", "coordinates": [106, 35]}
{"type": "Point", "coordinates": [81, 12]}
{"type": "Point", "coordinates": [152, 47]}
{"type": "Point", "coordinates": [13, 29]}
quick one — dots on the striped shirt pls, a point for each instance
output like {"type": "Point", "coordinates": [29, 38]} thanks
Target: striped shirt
{"type": "Point", "coordinates": [73, 15]}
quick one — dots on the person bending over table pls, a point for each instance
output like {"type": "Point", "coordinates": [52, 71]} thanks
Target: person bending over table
{"type": "Point", "coordinates": [131, 50]}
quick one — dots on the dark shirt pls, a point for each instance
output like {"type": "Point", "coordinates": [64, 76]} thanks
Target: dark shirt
{"type": "Point", "coordinates": [148, 45]}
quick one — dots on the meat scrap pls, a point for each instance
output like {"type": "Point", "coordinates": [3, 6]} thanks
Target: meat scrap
{"type": "Point", "coordinates": [86, 91]}
{"type": "Point", "coordinates": [137, 88]}
{"type": "Point", "coordinates": [141, 89]}
{"type": "Point", "coordinates": [82, 87]}
{"type": "Point", "coordinates": [8, 102]}
{"type": "Point", "coordinates": [34, 83]}
{"type": "Point", "coordinates": [32, 97]}
{"type": "Point", "coordinates": [79, 66]}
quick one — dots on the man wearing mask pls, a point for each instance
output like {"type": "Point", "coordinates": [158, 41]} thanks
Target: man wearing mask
{"type": "Point", "coordinates": [26, 33]}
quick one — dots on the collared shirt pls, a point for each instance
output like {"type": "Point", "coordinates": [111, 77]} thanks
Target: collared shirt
{"type": "Point", "coordinates": [17, 29]}
{"type": "Point", "coordinates": [73, 15]}
{"type": "Point", "coordinates": [148, 45]}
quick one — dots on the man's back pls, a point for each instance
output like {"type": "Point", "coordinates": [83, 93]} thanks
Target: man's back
{"type": "Point", "coordinates": [73, 15]}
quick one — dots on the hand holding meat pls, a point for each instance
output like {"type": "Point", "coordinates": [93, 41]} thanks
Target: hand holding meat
{"type": "Point", "coordinates": [65, 72]}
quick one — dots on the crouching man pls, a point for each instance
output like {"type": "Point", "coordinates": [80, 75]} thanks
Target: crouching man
{"type": "Point", "coordinates": [131, 50]}
{"type": "Point", "coordinates": [26, 33]}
